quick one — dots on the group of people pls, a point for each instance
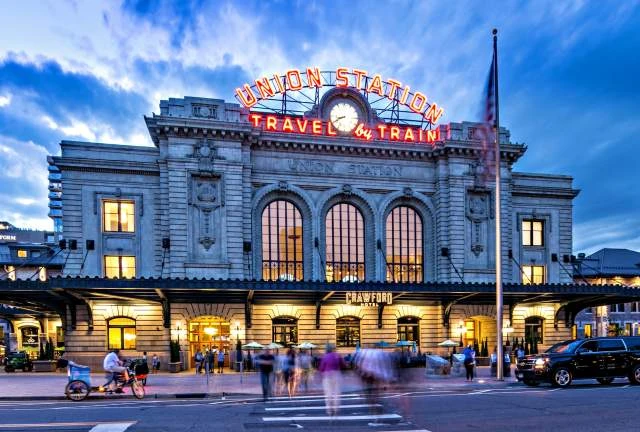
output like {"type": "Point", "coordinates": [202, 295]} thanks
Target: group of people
{"type": "Point", "coordinates": [207, 360]}
{"type": "Point", "coordinates": [289, 371]}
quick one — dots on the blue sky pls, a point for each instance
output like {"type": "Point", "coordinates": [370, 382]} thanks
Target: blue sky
{"type": "Point", "coordinates": [569, 86]}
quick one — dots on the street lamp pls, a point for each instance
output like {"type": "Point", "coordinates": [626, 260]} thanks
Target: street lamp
{"type": "Point", "coordinates": [460, 331]}
{"type": "Point", "coordinates": [507, 329]}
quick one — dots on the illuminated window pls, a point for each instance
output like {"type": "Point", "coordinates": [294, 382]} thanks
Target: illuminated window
{"type": "Point", "coordinates": [118, 216]}
{"type": "Point", "coordinates": [344, 244]}
{"type": "Point", "coordinates": [532, 274]}
{"type": "Point", "coordinates": [587, 330]}
{"type": "Point", "coordinates": [404, 245]}
{"type": "Point", "coordinates": [116, 266]}
{"type": "Point", "coordinates": [22, 253]}
{"type": "Point", "coordinates": [42, 274]}
{"type": "Point", "coordinates": [284, 330]}
{"type": "Point", "coordinates": [11, 273]}
{"type": "Point", "coordinates": [533, 329]}
{"type": "Point", "coordinates": [122, 333]}
{"type": "Point", "coordinates": [532, 232]}
{"type": "Point", "coordinates": [409, 329]}
{"type": "Point", "coordinates": [282, 242]}
{"type": "Point", "coordinates": [347, 332]}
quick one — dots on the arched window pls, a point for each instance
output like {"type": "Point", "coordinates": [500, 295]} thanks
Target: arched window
{"type": "Point", "coordinates": [347, 331]}
{"type": "Point", "coordinates": [533, 330]}
{"type": "Point", "coordinates": [122, 333]}
{"type": "Point", "coordinates": [284, 330]}
{"type": "Point", "coordinates": [408, 329]}
{"type": "Point", "coordinates": [404, 245]}
{"type": "Point", "coordinates": [344, 244]}
{"type": "Point", "coordinates": [282, 242]}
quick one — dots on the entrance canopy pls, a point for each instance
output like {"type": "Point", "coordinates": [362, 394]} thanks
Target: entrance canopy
{"type": "Point", "coordinates": [57, 295]}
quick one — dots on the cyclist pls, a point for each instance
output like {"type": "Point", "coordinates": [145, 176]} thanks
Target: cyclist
{"type": "Point", "coordinates": [112, 363]}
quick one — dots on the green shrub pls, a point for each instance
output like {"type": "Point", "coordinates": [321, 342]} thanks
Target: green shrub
{"type": "Point", "coordinates": [174, 349]}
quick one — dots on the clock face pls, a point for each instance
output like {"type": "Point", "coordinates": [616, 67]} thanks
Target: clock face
{"type": "Point", "coordinates": [344, 116]}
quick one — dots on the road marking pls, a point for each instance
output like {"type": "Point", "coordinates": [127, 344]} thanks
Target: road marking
{"type": "Point", "coordinates": [321, 407]}
{"type": "Point", "coordinates": [333, 418]}
{"type": "Point", "coordinates": [97, 427]}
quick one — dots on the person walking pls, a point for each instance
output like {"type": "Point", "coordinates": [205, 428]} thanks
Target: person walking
{"type": "Point", "coordinates": [289, 372]}
{"type": "Point", "coordinates": [304, 365]}
{"type": "Point", "coordinates": [220, 361]}
{"type": "Point", "coordinates": [265, 364]}
{"type": "Point", "coordinates": [469, 361]}
{"type": "Point", "coordinates": [330, 367]}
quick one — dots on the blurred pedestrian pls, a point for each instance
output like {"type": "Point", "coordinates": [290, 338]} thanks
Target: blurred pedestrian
{"type": "Point", "coordinates": [469, 361]}
{"type": "Point", "coordinates": [304, 366]}
{"type": "Point", "coordinates": [209, 361]}
{"type": "Point", "coordinates": [198, 358]}
{"type": "Point", "coordinates": [375, 368]}
{"type": "Point", "coordinates": [289, 372]}
{"type": "Point", "coordinates": [265, 364]}
{"type": "Point", "coordinates": [330, 367]}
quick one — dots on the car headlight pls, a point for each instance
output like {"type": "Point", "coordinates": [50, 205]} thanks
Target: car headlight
{"type": "Point", "coordinates": [539, 364]}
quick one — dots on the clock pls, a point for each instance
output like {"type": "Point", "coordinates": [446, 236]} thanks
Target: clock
{"type": "Point", "coordinates": [344, 116]}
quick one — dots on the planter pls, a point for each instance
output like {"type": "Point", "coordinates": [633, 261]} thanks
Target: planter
{"type": "Point", "coordinates": [44, 365]}
{"type": "Point", "coordinates": [174, 367]}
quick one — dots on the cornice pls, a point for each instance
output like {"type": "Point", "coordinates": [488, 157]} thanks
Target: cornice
{"type": "Point", "coordinates": [104, 166]}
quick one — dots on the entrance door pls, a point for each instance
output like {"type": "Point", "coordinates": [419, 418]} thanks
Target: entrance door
{"type": "Point", "coordinates": [209, 333]}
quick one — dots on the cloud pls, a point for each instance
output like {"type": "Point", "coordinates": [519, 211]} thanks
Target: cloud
{"type": "Point", "coordinates": [5, 100]}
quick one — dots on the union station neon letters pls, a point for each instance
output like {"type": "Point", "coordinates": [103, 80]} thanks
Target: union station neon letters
{"type": "Point", "coordinates": [295, 80]}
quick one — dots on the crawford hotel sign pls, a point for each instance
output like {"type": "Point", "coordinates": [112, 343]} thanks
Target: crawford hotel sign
{"type": "Point", "coordinates": [345, 116]}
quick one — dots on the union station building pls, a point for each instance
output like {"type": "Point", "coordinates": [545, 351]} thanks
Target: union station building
{"type": "Point", "coordinates": [234, 228]}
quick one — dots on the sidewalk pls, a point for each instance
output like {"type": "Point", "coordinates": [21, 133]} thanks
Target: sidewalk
{"type": "Point", "coordinates": [38, 386]}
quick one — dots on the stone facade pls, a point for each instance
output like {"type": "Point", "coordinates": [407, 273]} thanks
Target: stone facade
{"type": "Point", "coordinates": [199, 193]}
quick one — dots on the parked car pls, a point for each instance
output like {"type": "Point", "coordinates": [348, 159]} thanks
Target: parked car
{"type": "Point", "coordinates": [18, 360]}
{"type": "Point", "coordinates": [603, 359]}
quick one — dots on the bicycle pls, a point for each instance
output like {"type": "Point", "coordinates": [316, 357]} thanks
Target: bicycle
{"type": "Point", "coordinates": [79, 386]}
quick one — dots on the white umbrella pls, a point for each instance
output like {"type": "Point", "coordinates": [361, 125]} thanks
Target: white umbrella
{"type": "Point", "coordinates": [253, 345]}
{"type": "Point", "coordinates": [448, 343]}
{"type": "Point", "coordinates": [306, 345]}
{"type": "Point", "coordinates": [273, 345]}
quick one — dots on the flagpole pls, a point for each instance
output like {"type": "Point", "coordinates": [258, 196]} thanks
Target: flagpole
{"type": "Point", "coordinates": [499, 351]}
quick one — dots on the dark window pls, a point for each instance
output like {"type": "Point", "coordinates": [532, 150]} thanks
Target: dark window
{"type": "Point", "coordinates": [344, 244]}
{"type": "Point", "coordinates": [634, 307]}
{"type": "Point", "coordinates": [284, 330]}
{"type": "Point", "coordinates": [589, 346]}
{"type": "Point", "coordinates": [633, 343]}
{"type": "Point", "coordinates": [121, 333]}
{"type": "Point", "coordinates": [610, 345]}
{"type": "Point", "coordinates": [409, 329]}
{"type": "Point", "coordinates": [347, 332]}
{"type": "Point", "coordinates": [532, 232]}
{"type": "Point", "coordinates": [404, 245]}
{"type": "Point", "coordinates": [533, 328]}
{"type": "Point", "coordinates": [616, 308]}
{"type": "Point", "coordinates": [282, 242]}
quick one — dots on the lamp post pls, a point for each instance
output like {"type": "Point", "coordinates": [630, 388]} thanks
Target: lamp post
{"type": "Point", "coordinates": [461, 332]}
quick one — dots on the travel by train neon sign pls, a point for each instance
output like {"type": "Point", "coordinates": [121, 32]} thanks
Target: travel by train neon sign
{"type": "Point", "coordinates": [296, 80]}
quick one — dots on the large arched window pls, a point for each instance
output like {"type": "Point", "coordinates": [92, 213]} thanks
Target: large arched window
{"type": "Point", "coordinates": [121, 333]}
{"type": "Point", "coordinates": [409, 329]}
{"type": "Point", "coordinates": [347, 331]}
{"type": "Point", "coordinates": [344, 244]}
{"type": "Point", "coordinates": [284, 330]}
{"type": "Point", "coordinates": [404, 245]}
{"type": "Point", "coordinates": [282, 242]}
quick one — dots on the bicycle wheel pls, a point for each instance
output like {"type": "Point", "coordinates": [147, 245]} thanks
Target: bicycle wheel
{"type": "Point", "coordinates": [77, 390]}
{"type": "Point", "coordinates": [137, 389]}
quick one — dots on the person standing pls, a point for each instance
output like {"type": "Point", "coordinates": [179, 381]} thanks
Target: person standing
{"type": "Point", "coordinates": [265, 364]}
{"type": "Point", "coordinates": [220, 361]}
{"type": "Point", "coordinates": [210, 361]}
{"type": "Point", "coordinates": [330, 367]}
{"type": "Point", "coordinates": [469, 361]}
{"type": "Point", "coordinates": [198, 358]}
{"type": "Point", "coordinates": [155, 363]}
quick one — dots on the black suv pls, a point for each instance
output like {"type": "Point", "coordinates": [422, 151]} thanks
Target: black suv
{"type": "Point", "coordinates": [602, 358]}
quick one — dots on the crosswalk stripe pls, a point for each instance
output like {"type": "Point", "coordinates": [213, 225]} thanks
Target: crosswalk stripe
{"type": "Point", "coordinates": [312, 400]}
{"type": "Point", "coordinates": [111, 427]}
{"type": "Point", "coordinates": [333, 418]}
{"type": "Point", "coordinates": [320, 407]}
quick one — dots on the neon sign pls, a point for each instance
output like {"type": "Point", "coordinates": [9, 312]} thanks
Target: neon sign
{"type": "Point", "coordinates": [295, 80]}
{"type": "Point", "coordinates": [381, 131]}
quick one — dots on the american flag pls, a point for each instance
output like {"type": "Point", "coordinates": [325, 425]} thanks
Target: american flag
{"type": "Point", "coordinates": [486, 131]}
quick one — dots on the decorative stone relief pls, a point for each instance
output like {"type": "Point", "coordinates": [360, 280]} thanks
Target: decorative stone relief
{"type": "Point", "coordinates": [206, 216]}
{"type": "Point", "coordinates": [204, 111]}
{"type": "Point", "coordinates": [207, 153]}
{"type": "Point", "coordinates": [477, 213]}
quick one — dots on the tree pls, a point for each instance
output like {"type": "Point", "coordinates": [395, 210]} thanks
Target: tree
{"type": "Point", "coordinates": [174, 351]}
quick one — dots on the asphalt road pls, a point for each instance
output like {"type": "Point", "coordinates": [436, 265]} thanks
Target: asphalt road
{"type": "Point", "coordinates": [583, 407]}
